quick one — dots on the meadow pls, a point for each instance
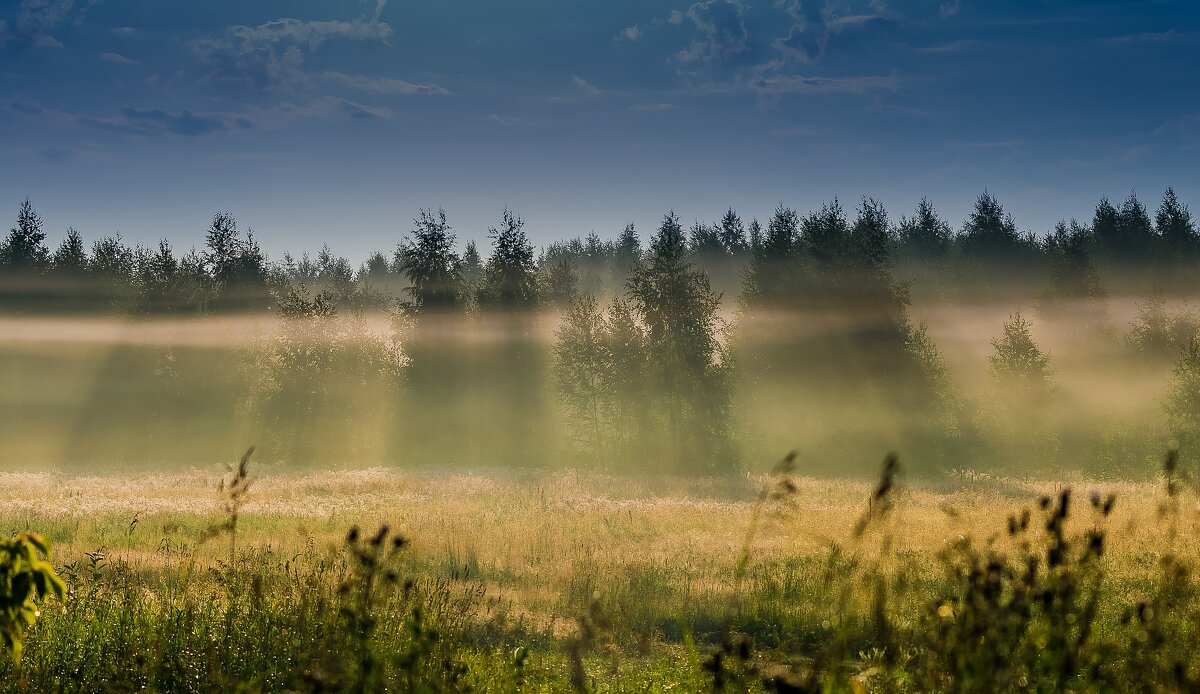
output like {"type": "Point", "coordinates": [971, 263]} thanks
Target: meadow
{"type": "Point", "coordinates": [572, 472]}
{"type": "Point", "coordinates": [505, 578]}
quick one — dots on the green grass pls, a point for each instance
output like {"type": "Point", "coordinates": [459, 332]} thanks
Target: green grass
{"type": "Point", "coordinates": [504, 577]}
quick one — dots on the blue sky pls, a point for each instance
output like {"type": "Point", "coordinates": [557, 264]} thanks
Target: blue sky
{"type": "Point", "coordinates": [337, 120]}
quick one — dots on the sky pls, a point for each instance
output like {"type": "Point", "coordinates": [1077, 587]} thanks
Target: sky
{"type": "Point", "coordinates": [336, 121]}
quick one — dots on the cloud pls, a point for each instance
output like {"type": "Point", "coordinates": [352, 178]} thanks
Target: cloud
{"type": "Point", "coordinates": [359, 111]}
{"type": "Point", "coordinates": [510, 120]}
{"type": "Point", "coordinates": [137, 121]}
{"type": "Point", "coordinates": [588, 90]}
{"type": "Point", "coordinates": [130, 120]}
{"type": "Point", "coordinates": [651, 108]}
{"type": "Point", "coordinates": [159, 122]}
{"type": "Point", "coordinates": [631, 33]}
{"type": "Point", "coordinates": [117, 59]}
{"type": "Point", "coordinates": [722, 28]}
{"type": "Point", "coordinates": [36, 19]}
{"type": "Point", "coordinates": [383, 85]}
{"type": "Point", "coordinates": [949, 9]}
{"type": "Point", "coordinates": [779, 84]}
{"type": "Point", "coordinates": [124, 32]}
{"type": "Point", "coordinates": [271, 55]}
{"type": "Point", "coordinates": [1153, 37]}
{"type": "Point", "coordinates": [958, 46]}
{"type": "Point", "coordinates": [312, 33]}
{"type": "Point", "coordinates": [813, 25]}
{"type": "Point", "coordinates": [23, 104]}
{"type": "Point", "coordinates": [676, 17]}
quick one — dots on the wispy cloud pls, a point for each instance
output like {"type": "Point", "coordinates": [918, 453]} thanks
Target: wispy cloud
{"type": "Point", "coordinates": [588, 90]}
{"type": "Point", "coordinates": [722, 31]}
{"type": "Point", "coordinates": [272, 55]}
{"type": "Point", "coordinates": [510, 120]}
{"type": "Point", "coordinates": [117, 59]}
{"type": "Point", "coordinates": [774, 85]}
{"type": "Point", "coordinates": [383, 85]}
{"type": "Point", "coordinates": [1167, 36]}
{"type": "Point", "coordinates": [36, 19]}
{"type": "Point", "coordinates": [157, 122]}
{"type": "Point", "coordinates": [651, 108]}
{"type": "Point", "coordinates": [631, 33]}
{"type": "Point", "coordinates": [959, 46]}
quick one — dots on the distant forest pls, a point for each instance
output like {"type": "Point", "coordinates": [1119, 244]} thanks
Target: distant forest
{"type": "Point", "coordinates": [645, 363]}
{"type": "Point", "coordinates": [230, 272]}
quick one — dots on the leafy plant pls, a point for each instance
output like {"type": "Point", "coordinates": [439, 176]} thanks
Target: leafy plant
{"type": "Point", "coordinates": [26, 576]}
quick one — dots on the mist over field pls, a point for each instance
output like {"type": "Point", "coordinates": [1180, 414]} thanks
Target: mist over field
{"type": "Point", "coordinates": [696, 346]}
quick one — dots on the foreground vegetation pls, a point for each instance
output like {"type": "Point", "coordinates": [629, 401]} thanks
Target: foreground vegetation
{"type": "Point", "coordinates": [540, 581]}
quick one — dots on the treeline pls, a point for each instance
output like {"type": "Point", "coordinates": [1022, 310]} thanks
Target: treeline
{"type": "Point", "coordinates": [643, 365]}
{"type": "Point", "coordinates": [231, 272]}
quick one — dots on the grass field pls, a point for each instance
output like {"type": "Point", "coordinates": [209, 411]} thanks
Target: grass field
{"type": "Point", "coordinates": [515, 572]}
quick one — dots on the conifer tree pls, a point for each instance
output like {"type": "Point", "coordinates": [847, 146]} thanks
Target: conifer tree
{"type": "Point", "coordinates": [25, 248]}
{"type": "Point", "coordinates": [628, 248]}
{"type": "Point", "coordinates": [1175, 228]}
{"type": "Point", "coordinates": [1072, 275]}
{"type": "Point", "coordinates": [1135, 239]}
{"type": "Point", "coordinates": [510, 276]}
{"type": "Point", "coordinates": [990, 233]}
{"type": "Point", "coordinates": [925, 234]}
{"type": "Point", "coordinates": [769, 280]}
{"type": "Point", "coordinates": [755, 233]}
{"type": "Point", "coordinates": [70, 258]}
{"type": "Point", "coordinates": [1017, 365]}
{"type": "Point", "coordinates": [733, 234]}
{"type": "Point", "coordinates": [428, 260]}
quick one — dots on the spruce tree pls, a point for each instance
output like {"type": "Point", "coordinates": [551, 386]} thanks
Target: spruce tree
{"type": "Point", "coordinates": [25, 248]}
{"type": "Point", "coordinates": [769, 280]}
{"type": "Point", "coordinates": [925, 234]}
{"type": "Point", "coordinates": [1017, 365]}
{"type": "Point", "coordinates": [510, 276]}
{"type": "Point", "coordinates": [628, 249]}
{"type": "Point", "coordinates": [990, 234]}
{"type": "Point", "coordinates": [733, 234]}
{"type": "Point", "coordinates": [756, 237]}
{"type": "Point", "coordinates": [426, 257]}
{"type": "Point", "coordinates": [1135, 238]}
{"type": "Point", "coordinates": [1175, 228]}
{"type": "Point", "coordinates": [705, 241]}
{"type": "Point", "coordinates": [1106, 227]}
{"type": "Point", "coordinates": [70, 258]}
{"type": "Point", "coordinates": [1072, 275]}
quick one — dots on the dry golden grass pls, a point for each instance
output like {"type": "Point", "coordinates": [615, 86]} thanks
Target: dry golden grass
{"type": "Point", "coordinates": [534, 540]}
